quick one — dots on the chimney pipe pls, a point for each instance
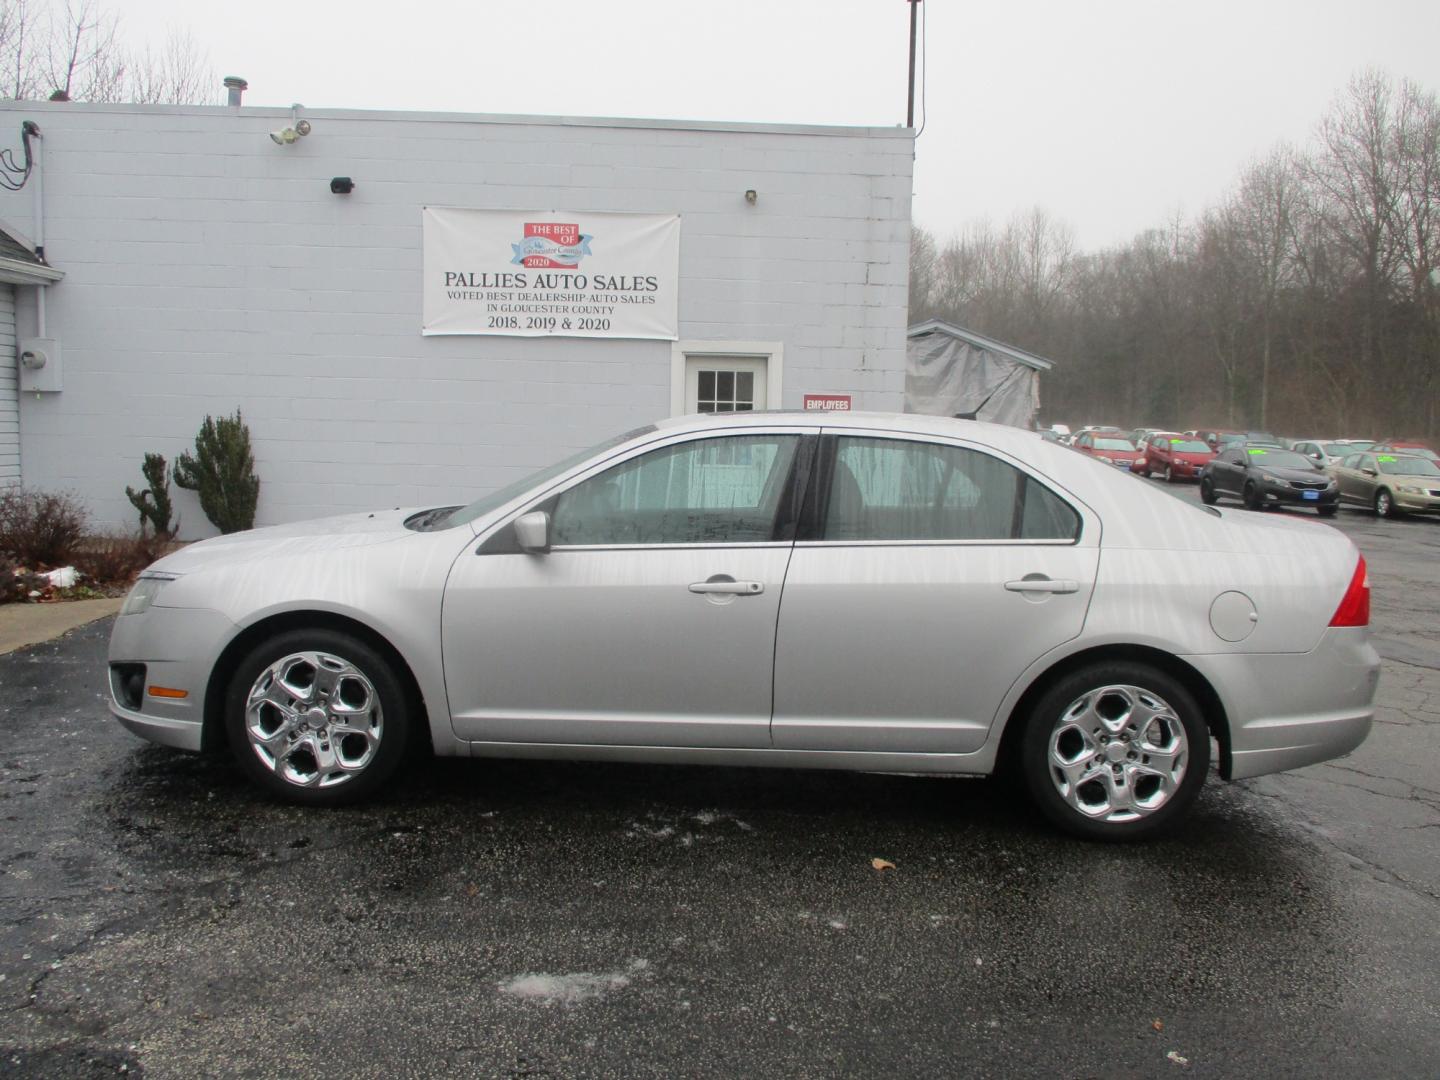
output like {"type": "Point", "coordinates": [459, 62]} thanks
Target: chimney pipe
{"type": "Point", "coordinates": [236, 86]}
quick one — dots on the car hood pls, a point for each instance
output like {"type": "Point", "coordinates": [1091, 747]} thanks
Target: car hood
{"type": "Point", "coordinates": [1308, 475]}
{"type": "Point", "coordinates": [298, 538]}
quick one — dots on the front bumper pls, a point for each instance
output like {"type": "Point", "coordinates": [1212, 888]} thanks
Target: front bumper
{"type": "Point", "coordinates": [1417, 504]}
{"type": "Point", "coordinates": [1287, 710]}
{"type": "Point", "coordinates": [1296, 497]}
{"type": "Point", "coordinates": [177, 648]}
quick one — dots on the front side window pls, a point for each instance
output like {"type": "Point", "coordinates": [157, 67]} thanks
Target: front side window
{"type": "Point", "coordinates": [891, 489]}
{"type": "Point", "coordinates": [711, 491]}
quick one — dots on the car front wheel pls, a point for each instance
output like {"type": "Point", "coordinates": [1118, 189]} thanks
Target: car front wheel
{"type": "Point", "coordinates": [1384, 504]}
{"type": "Point", "coordinates": [1252, 497]}
{"type": "Point", "coordinates": [317, 717]}
{"type": "Point", "coordinates": [1169, 476]}
{"type": "Point", "coordinates": [1207, 491]}
{"type": "Point", "coordinates": [1115, 751]}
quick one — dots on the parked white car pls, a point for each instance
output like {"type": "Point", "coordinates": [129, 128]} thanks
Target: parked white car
{"type": "Point", "coordinates": [874, 592]}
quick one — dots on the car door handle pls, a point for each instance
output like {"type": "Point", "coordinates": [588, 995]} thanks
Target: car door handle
{"type": "Point", "coordinates": [1043, 585]}
{"type": "Point", "coordinates": [734, 588]}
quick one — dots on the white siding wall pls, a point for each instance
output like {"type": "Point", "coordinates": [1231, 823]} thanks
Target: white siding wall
{"type": "Point", "coordinates": [207, 268]}
{"type": "Point", "coordinates": [9, 391]}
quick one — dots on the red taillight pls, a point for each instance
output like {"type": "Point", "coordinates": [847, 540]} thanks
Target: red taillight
{"type": "Point", "coordinates": [1354, 609]}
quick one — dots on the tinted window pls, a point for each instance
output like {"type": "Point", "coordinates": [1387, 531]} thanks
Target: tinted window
{"type": "Point", "coordinates": [1279, 459]}
{"type": "Point", "coordinates": [711, 491]}
{"type": "Point", "coordinates": [1351, 462]}
{"type": "Point", "coordinates": [890, 489]}
{"type": "Point", "coordinates": [1189, 446]}
{"type": "Point", "coordinates": [1231, 457]}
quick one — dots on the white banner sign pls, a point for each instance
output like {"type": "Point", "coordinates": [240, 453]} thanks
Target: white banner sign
{"type": "Point", "coordinates": [551, 273]}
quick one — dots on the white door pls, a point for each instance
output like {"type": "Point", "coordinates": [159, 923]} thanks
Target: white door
{"type": "Point", "coordinates": [651, 619]}
{"type": "Point", "coordinates": [721, 384]}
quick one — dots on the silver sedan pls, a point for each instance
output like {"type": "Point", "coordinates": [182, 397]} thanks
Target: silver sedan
{"type": "Point", "coordinates": [871, 592]}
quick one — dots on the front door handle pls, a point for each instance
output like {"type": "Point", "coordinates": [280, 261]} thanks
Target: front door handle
{"type": "Point", "coordinates": [734, 588]}
{"type": "Point", "coordinates": [1041, 584]}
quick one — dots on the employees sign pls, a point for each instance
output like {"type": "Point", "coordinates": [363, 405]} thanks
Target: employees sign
{"type": "Point", "coordinates": [551, 274]}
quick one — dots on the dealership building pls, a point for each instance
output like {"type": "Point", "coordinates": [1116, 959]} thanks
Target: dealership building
{"type": "Point", "coordinates": [416, 308]}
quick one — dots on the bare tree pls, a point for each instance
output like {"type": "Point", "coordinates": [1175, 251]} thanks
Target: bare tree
{"type": "Point", "coordinates": [73, 50]}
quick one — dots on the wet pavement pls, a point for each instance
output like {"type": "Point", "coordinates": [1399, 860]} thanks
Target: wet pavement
{"type": "Point", "coordinates": [160, 918]}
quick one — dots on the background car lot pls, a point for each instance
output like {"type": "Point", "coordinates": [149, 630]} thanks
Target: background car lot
{"type": "Point", "coordinates": [494, 918]}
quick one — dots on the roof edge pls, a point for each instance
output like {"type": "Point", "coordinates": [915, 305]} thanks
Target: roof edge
{"type": "Point", "coordinates": [940, 326]}
{"type": "Point", "coordinates": [414, 116]}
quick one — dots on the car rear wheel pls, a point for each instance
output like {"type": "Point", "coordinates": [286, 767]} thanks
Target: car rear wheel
{"type": "Point", "coordinates": [1384, 504]}
{"type": "Point", "coordinates": [1207, 491]}
{"type": "Point", "coordinates": [1252, 497]}
{"type": "Point", "coordinates": [317, 717]}
{"type": "Point", "coordinates": [1115, 751]}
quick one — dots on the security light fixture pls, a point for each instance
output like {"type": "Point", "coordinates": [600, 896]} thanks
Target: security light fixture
{"type": "Point", "coordinates": [341, 185]}
{"type": "Point", "coordinates": [750, 196]}
{"type": "Point", "coordinates": [296, 129]}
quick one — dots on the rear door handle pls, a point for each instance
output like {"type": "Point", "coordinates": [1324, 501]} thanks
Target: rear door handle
{"type": "Point", "coordinates": [1041, 585]}
{"type": "Point", "coordinates": [734, 588]}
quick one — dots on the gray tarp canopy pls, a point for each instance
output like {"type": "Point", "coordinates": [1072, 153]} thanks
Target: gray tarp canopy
{"type": "Point", "coordinates": [950, 371]}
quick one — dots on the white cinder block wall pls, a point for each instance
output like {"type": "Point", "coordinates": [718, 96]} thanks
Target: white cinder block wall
{"type": "Point", "coordinates": [208, 268]}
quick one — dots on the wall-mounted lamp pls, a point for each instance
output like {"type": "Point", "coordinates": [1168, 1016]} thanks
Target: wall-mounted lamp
{"type": "Point", "coordinates": [341, 185]}
{"type": "Point", "coordinates": [750, 196]}
{"type": "Point", "coordinates": [298, 128]}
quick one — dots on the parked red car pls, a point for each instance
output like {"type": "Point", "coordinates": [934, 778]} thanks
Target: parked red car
{"type": "Point", "coordinates": [1173, 457]}
{"type": "Point", "coordinates": [1111, 449]}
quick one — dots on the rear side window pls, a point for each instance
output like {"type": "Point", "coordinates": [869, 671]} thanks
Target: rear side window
{"type": "Point", "coordinates": [892, 489]}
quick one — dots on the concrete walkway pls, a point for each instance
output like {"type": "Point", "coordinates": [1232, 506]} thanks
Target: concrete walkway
{"type": "Point", "coordinates": [30, 624]}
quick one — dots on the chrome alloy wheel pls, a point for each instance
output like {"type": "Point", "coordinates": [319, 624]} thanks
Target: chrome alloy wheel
{"type": "Point", "coordinates": [313, 719]}
{"type": "Point", "coordinates": [1117, 753]}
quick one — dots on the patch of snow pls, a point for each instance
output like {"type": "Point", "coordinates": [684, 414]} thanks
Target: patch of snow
{"type": "Point", "coordinates": [573, 988]}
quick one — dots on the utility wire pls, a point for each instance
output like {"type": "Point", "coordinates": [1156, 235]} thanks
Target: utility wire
{"type": "Point", "coordinates": [13, 175]}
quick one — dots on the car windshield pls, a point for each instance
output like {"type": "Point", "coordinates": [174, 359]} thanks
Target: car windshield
{"type": "Point", "coordinates": [496, 499]}
{"type": "Point", "coordinates": [1401, 465]}
{"type": "Point", "coordinates": [1114, 444]}
{"type": "Point", "coordinates": [1339, 449]}
{"type": "Point", "coordinates": [1188, 446]}
{"type": "Point", "coordinates": [1278, 459]}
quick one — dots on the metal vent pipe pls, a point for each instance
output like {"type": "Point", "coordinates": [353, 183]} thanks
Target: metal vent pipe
{"type": "Point", "coordinates": [236, 86]}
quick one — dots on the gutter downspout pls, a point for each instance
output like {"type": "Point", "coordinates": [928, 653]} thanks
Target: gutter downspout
{"type": "Point", "coordinates": [38, 175]}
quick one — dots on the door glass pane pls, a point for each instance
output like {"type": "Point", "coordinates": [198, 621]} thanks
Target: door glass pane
{"type": "Point", "coordinates": [720, 391]}
{"type": "Point", "coordinates": [887, 489]}
{"type": "Point", "coordinates": [710, 491]}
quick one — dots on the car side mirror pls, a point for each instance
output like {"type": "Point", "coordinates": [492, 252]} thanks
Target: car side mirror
{"type": "Point", "coordinates": [1368, 472]}
{"type": "Point", "coordinates": [532, 532]}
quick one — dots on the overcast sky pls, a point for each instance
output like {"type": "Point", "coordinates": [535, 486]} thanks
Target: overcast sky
{"type": "Point", "coordinates": [1111, 114]}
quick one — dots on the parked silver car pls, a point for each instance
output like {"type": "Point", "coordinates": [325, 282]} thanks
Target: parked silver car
{"type": "Point", "coordinates": [874, 592]}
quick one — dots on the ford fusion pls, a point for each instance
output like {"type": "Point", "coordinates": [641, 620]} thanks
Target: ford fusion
{"type": "Point", "coordinates": [872, 592]}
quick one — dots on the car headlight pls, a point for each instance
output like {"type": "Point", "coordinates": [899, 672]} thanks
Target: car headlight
{"type": "Point", "coordinates": [144, 592]}
{"type": "Point", "coordinates": [1405, 489]}
{"type": "Point", "coordinates": [1277, 481]}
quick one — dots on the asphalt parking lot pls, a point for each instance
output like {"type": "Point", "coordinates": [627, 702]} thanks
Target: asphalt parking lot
{"type": "Point", "coordinates": [159, 918]}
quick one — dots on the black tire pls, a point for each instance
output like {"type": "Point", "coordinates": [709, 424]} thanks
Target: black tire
{"type": "Point", "coordinates": [1207, 491]}
{"type": "Point", "coordinates": [367, 696]}
{"type": "Point", "coordinates": [1385, 504]}
{"type": "Point", "coordinates": [1094, 694]}
{"type": "Point", "coordinates": [1252, 497]}
{"type": "Point", "coordinates": [1168, 476]}
{"type": "Point", "coordinates": [1326, 511]}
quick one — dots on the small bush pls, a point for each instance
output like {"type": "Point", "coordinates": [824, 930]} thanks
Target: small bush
{"type": "Point", "coordinates": [115, 559]}
{"type": "Point", "coordinates": [154, 501]}
{"type": "Point", "coordinates": [40, 528]}
{"type": "Point", "coordinates": [222, 472]}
